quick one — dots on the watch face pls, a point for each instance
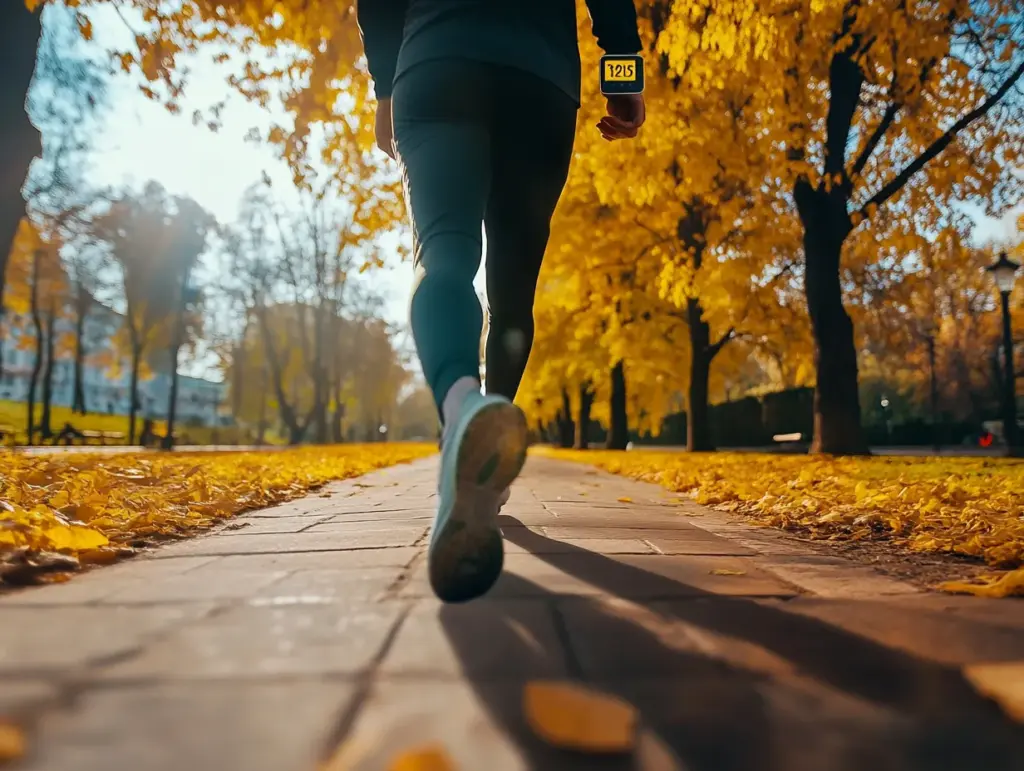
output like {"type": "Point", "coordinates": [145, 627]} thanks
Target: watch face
{"type": "Point", "coordinates": [622, 75]}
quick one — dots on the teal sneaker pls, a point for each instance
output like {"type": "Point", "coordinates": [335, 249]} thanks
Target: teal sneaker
{"type": "Point", "coordinates": [481, 457]}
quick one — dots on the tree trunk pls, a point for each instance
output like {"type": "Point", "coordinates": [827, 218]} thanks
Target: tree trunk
{"type": "Point", "coordinates": [261, 426]}
{"type": "Point", "coordinates": [934, 394]}
{"type": "Point", "coordinates": [172, 401]}
{"type": "Point", "coordinates": [698, 412]}
{"type": "Point", "coordinates": [78, 404]}
{"type": "Point", "coordinates": [37, 365]}
{"type": "Point", "coordinates": [583, 424]}
{"type": "Point", "coordinates": [45, 430]}
{"type": "Point", "coordinates": [20, 31]}
{"type": "Point", "coordinates": [133, 389]}
{"type": "Point", "coordinates": [837, 420]}
{"type": "Point", "coordinates": [337, 420]}
{"type": "Point", "coordinates": [296, 430]}
{"type": "Point", "coordinates": [566, 429]}
{"type": "Point", "coordinates": [618, 423]}
{"type": "Point", "coordinates": [296, 434]}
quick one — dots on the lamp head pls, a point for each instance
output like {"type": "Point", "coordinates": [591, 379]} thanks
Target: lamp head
{"type": "Point", "coordinates": [1004, 272]}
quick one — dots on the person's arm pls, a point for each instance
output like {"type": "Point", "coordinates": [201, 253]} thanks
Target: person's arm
{"type": "Point", "coordinates": [381, 23]}
{"type": "Point", "coordinates": [614, 23]}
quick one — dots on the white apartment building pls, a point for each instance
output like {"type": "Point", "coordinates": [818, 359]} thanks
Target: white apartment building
{"type": "Point", "coordinates": [106, 385]}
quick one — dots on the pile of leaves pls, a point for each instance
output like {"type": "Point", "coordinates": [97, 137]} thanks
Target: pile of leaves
{"type": "Point", "coordinates": [967, 506]}
{"type": "Point", "coordinates": [60, 511]}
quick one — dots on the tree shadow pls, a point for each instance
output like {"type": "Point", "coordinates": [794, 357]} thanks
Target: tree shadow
{"type": "Point", "coordinates": [856, 702]}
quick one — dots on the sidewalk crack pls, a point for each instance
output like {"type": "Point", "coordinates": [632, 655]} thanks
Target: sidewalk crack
{"type": "Point", "coordinates": [364, 682]}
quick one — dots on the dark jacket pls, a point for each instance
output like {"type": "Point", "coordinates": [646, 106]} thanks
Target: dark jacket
{"type": "Point", "coordinates": [538, 36]}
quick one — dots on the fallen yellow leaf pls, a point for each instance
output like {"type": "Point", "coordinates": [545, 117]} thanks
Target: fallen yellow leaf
{"type": "Point", "coordinates": [999, 585]}
{"type": "Point", "coordinates": [429, 758]}
{"type": "Point", "coordinates": [625, 499]}
{"type": "Point", "coordinates": [726, 572]}
{"type": "Point", "coordinates": [12, 741]}
{"type": "Point", "coordinates": [576, 717]}
{"type": "Point", "coordinates": [1003, 682]}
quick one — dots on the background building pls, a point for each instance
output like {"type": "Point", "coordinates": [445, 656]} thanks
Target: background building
{"type": "Point", "coordinates": [106, 375]}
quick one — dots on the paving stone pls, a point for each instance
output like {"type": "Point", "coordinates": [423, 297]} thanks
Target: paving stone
{"type": "Point", "coordinates": [611, 637]}
{"type": "Point", "coordinates": [923, 630]}
{"type": "Point", "coordinates": [687, 544]}
{"type": "Point", "coordinates": [597, 545]}
{"type": "Point", "coordinates": [98, 584]}
{"type": "Point", "coordinates": [618, 517]}
{"type": "Point", "coordinates": [652, 576]}
{"type": "Point", "coordinates": [479, 725]}
{"type": "Point", "coordinates": [490, 639]}
{"type": "Point", "coordinates": [372, 526]}
{"type": "Point", "coordinates": [203, 584]}
{"type": "Point", "coordinates": [168, 727]}
{"type": "Point", "coordinates": [253, 642]}
{"type": "Point", "coordinates": [578, 531]}
{"type": "Point", "coordinates": [681, 540]}
{"type": "Point", "coordinates": [382, 515]}
{"type": "Point", "coordinates": [837, 580]}
{"type": "Point", "coordinates": [1005, 613]}
{"type": "Point", "coordinates": [357, 559]}
{"type": "Point", "coordinates": [260, 525]}
{"type": "Point", "coordinates": [303, 507]}
{"type": "Point", "coordinates": [240, 543]}
{"type": "Point", "coordinates": [366, 584]}
{"type": "Point", "coordinates": [20, 698]}
{"type": "Point", "coordinates": [64, 638]}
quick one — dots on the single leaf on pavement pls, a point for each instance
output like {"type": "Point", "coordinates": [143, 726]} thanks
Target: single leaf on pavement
{"type": "Point", "coordinates": [575, 717]}
{"type": "Point", "coordinates": [12, 741]}
{"type": "Point", "coordinates": [432, 757]}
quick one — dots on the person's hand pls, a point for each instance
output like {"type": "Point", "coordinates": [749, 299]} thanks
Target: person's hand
{"type": "Point", "coordinates": [383, 129]}
{"type": "Point", "coordinates": [626, 114]}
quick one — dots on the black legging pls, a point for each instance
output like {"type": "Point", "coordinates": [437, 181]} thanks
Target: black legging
{"type": "Point", "coordinates": [480, 144]}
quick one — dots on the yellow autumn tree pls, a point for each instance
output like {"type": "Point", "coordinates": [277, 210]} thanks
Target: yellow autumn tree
{"type": "Point", "coordinates": [38, 294]}
{"type": "Point", "coordinates": [710, 250]}
{"type": "Point", "coordinates": [876, 117]}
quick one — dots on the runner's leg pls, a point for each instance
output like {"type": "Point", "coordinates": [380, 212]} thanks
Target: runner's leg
{"type": "Point", "coordinates": [443, 141]}
{"type": "Point", "coordinates": [529, 165]}
{"type": "Point", "coordinates": [443, 113]}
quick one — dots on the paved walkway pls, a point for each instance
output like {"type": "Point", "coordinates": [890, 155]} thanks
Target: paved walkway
{"type": "Point", "coordinates": [261, 646]}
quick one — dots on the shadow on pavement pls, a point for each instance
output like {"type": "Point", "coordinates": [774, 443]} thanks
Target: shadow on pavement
{"type": "Point", "coordinates": [885, 709]}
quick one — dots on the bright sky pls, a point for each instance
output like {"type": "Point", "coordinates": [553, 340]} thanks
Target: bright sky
{"type": "Point", "coordinates": [141, 140]}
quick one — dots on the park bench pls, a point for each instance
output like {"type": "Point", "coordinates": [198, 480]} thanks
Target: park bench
{"type": "Point", "coordinates": [102, 437]}
{"type": "Point", "coordinates": [789, 443]}
{"type": "Point", "coordinates": [787, 438]}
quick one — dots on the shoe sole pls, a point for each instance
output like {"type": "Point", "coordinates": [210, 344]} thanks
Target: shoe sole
{"type": "Point", "coordinates": [467, 555]}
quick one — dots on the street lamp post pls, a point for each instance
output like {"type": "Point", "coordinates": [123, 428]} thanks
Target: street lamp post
{"type": "Point", "coordinates": [1004, 271]}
